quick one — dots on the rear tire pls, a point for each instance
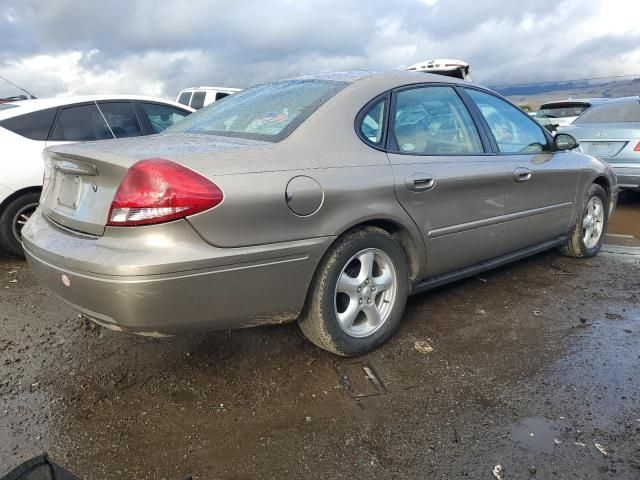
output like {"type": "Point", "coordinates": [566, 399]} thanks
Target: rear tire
{"type": "Point", "coordinates": [13, 218]}
{"type": "Point", "coordinates": [358, 295]}
{"type": "Point", "coordinates": [587, 234]}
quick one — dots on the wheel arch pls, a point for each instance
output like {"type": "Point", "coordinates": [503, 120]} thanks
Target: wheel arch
{"type": "Point", "coordinates": [411, 242]}
{"type": "Point", "coordinates": [17, 194]}
{"type": "Point", "coordinates": [603, 181]}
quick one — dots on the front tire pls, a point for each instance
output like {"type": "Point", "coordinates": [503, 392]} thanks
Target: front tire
{"type": "Point", "coordinates": [588, 232]}
{"type": "Point", "coordinates": [13, 218]}
{"type": "Point", "coordinates": [358, 295]}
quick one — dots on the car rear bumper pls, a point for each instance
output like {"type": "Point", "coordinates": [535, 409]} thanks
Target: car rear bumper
{"type": "Point", "coordinates": [214, 288]}
{"type": "Point", "coordinates": [628, 176]}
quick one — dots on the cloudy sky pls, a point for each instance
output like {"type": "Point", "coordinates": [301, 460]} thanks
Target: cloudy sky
{"type": "Point", "coordinates": [157, 47]}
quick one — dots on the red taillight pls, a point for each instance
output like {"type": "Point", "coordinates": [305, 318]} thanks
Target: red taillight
{"type": "Point", "coordinates": [157, 190]}
{"type": "Point", "coordinates": [637, 148]}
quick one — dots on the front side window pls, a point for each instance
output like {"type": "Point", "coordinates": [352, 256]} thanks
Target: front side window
{"type": "Point", "coordinates": [184, 98]}
{"type": "Point", "coordinates": [266, 112]}
{"type": "Point", "coordinates": [121, 118]}
{"type": "Point", "coordinates": [513, 130]}
{"type": "Point", "coordinates": [611, 113]}
{"type": "Point", "coordinates": [162, 117]}
{"type": "Point", "coordinates": [197, 101]}
{"type": "Point", "coordinates": [434, 121]}
{"type": "Point", "coordinates": [34, 125]}
{"type": "Point", "coordinates": [81, 123]}
{"type": "Point", "coordinates": [372, 123]}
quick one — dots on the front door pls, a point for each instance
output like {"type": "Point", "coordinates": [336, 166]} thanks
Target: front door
{"type": "Point", "coordinates": [453, 190]}
{"type": "Point", "coordinates": [542, 184]}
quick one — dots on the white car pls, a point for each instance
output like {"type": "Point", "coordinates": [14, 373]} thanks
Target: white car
{"type": "Point", "coordinates": [563, 112]}
{"type": "Point", "coordinates": [198, 97]}
{"type": "Point", "coordinates": [27, 127]}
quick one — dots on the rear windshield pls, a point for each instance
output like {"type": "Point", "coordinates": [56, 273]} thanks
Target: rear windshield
{"type": "Point", "coordinates": [612, 113]}
{"type": "Point", "coordinates": [266, 112]}
{"type": "Point", "coordinates": [562, 110]}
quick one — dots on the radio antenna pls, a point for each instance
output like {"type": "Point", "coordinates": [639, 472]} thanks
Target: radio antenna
{"type": "Point", "coordinates": [31, 96]}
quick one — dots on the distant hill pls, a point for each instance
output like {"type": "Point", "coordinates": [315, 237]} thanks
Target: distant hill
{"type": "Point", "coordinates": [535, 95]}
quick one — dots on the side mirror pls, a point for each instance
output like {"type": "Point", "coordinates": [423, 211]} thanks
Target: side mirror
{"type": "Point", "coordinates": [564, 141]}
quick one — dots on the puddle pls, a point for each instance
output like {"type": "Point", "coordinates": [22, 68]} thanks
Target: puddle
{"type": "Point", "coordinates": [535, 434]}
{"type": "Point", "coordinates": [621, 240]}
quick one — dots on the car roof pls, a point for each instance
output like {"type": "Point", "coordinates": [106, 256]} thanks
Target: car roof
{"type": "Point", "coordinates": [624, 99]}
{"type": "Point", "coordinates": [589, 101]}
{"type": "Point", "coordinates": [33, 105]}
{"type": "Point", "coordinates": [218, 89]}
{"type": "Point", "coordinates": [393, 78]}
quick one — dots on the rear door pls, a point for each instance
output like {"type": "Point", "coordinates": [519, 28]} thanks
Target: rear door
{"type": "Point", "coordinates": [446, 178]}
{"type": "Point", "coordinates": [79, 123]}
{"type": "Point", "coordinates": [542, 184]}
{"type": "Point", "coordinates": [121, 118]}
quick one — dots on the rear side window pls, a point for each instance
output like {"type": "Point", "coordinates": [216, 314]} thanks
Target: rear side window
{"type": "Point", "coordinates": [221, 95]}
{"type": "Point", "coordinates": [34, 125]}
{"type": "Point", "coordinates": [162, 116]}
{"type": "Point", "coordinates": [513, 130]}
{"type": "Point", "coordinates": [121, 119]}
{"type": "Point", "coordinates": [80, 123]}
{"type": "Point", "coordinates": [184, 98]}
{"type": "Point", "coordinates": [611, 113]}
{"type": "Point", "coordinates": [197, 101]}
{"type": "Point", "coordinates": [434, 121]}
{"type": "Point", "coordinates": [372, 123]}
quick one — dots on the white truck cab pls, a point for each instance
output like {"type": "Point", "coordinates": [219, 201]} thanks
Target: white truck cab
{"type": "Point", "coordinates": [198, 97]}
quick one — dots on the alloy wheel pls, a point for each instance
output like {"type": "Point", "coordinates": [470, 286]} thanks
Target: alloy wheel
{"type": "Point", "coordinates": [593, 222]}
{"type": "Point", "coordinates": [20, 219]}
{"type": "Point", "coordinates": [365, 292]}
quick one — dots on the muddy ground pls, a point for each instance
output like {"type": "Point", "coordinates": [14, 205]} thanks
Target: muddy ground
{"type": "Point", "coordinates": [535, 367]}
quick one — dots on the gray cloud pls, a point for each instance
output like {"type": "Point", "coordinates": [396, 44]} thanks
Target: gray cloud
{"type": "Point", "coordinates": [152, 46]}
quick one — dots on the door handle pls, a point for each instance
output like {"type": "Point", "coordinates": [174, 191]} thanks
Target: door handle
{"type": "Point", "coordinates": [521, 174]}
{"type": "Point", "coordinates": [420, 182]}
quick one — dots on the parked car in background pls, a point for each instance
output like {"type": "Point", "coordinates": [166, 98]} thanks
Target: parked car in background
{"type": "Point", "coordinates": [327, 199]}
{"type": "Point", "coordinates": [448, 67]}
{"type": "Point", "coordinates": [27, 127]}
{"type": "Point", "coordinates": [561, 113]}
{"type": "Point", "coordinates": [198, 97]}
{"type": "Point", "coordinates": [611, 132]}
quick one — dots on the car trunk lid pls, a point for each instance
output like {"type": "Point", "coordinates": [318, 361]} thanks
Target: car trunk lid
{"type": "Point", "coordinates": [605, 140]}
{"type": "Point", "coordinates": [81, 180]}
{"type": "Point", "coordinates": [78, 190]}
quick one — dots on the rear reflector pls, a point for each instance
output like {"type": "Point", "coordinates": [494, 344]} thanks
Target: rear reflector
{"type": "Point", "coordinates": [157, 190]}
{"type": "Point", "coordinates": [637, 147]}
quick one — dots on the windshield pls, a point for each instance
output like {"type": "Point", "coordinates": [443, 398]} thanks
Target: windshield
{"type": "Point", "coordinates": [562, 110]}
{"type": "Point", "coordinates": [266, 112]}
{"type": "Point", "coordinates": [612, 113]}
